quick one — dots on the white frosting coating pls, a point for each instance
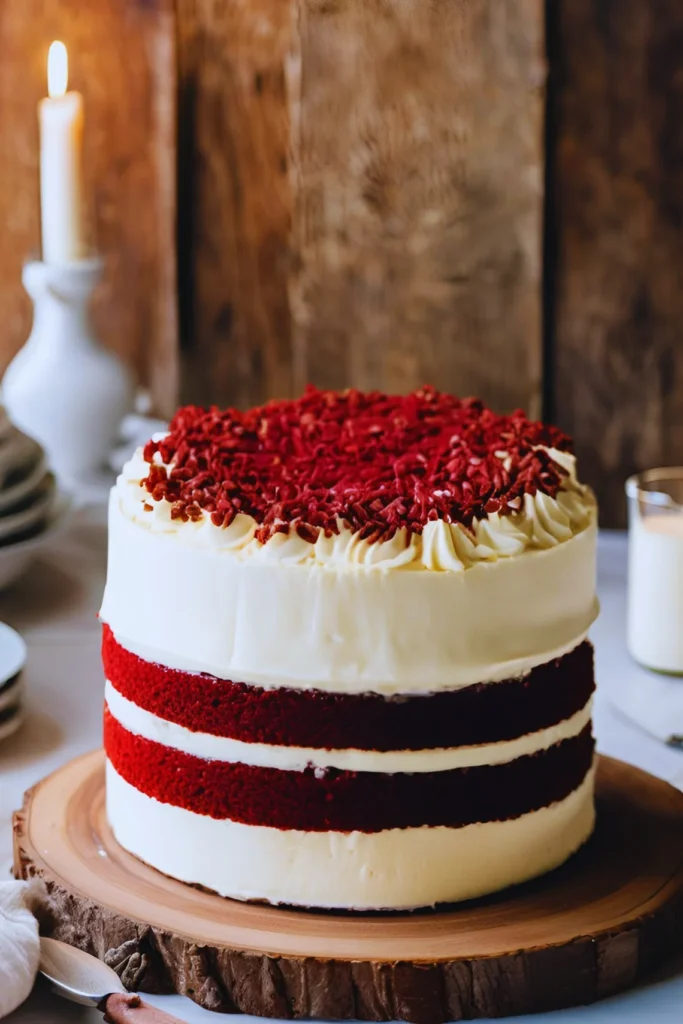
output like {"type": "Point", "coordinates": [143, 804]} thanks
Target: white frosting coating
{"type": "Point", "coordinates": [540, 522]}
{"type": "Point", "coordinates": [281, 622]}
{"type": "Point", "coordinates": [265, 755]}
{"type": "Point", "coordinates": [396, 868]}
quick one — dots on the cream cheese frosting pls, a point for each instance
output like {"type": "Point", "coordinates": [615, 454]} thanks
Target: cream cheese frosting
{"type": "Point", "coordinates": [396, 868]}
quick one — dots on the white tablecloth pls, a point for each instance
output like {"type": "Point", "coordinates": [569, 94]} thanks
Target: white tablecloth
{"type": "Point", "coordinates": [55, 608]}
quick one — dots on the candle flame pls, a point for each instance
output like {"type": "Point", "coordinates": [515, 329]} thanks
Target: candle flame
{"type": "Point", "coordinates": [57, 69]}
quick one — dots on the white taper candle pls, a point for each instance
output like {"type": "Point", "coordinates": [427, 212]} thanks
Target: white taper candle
{"type": "Point", "coordinates": [61, 165]}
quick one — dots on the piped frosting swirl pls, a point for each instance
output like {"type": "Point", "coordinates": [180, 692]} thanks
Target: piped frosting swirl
{"type": "Point", "coordinates": [540, 521]}
{"type": "Point", "coordinates": [376, 463]}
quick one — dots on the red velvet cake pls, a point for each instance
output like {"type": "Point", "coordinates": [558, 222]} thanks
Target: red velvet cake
{"type": "Point", "coordinates": [345, 650]}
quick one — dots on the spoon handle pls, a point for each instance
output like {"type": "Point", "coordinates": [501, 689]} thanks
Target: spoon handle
{"type": "Point", "coordinates": [127, 1008]}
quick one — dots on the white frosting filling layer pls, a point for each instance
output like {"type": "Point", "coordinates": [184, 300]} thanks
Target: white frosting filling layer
{"type": "Point", "coordinates": [264, 755]}
{"type": "Point", "coordinates": [397, 868]}
{"type": "Point", "coordinates": [537, 522]}
{"type": "Point", "coordinates": [277, 623]}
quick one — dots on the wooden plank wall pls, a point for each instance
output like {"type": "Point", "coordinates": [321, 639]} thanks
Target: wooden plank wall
{"type": "Point", "coordinates": [362, 187]}
{"type": "Point", "coordinates": [616, 236]}
{"type": "Point", "coordinates": [122, 57]}
{"type": "Point", "coordinates": [235, 199]}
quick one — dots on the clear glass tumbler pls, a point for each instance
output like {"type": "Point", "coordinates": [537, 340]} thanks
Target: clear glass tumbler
{"type": "Point", "coordinates": [655, 584]}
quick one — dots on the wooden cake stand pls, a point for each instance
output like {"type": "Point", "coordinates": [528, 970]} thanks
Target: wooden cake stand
{"type": "Point", "coordinates": [585, 931]}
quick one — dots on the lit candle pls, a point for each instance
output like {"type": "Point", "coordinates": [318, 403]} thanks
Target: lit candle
{"type": "Point", "coordinates": [61, 167]}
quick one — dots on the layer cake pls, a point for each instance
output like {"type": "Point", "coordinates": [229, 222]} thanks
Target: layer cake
{"type": "Point", "coordinates": [345, 651]}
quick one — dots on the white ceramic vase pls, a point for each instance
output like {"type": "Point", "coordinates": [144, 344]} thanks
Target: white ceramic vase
{"type": "Point", "coordinates": [62, 387]}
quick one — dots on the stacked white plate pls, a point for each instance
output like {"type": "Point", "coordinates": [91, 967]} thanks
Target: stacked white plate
{"type": "Point", "coordinates": [12, 660]}
{"type": "Point", "coordinates": [30, 504]}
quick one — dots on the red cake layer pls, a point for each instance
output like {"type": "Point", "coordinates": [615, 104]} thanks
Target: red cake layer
{"type": "Point", "coordinates": [343, 801]}
{"type": "Point", "coordinates": [378, 462]}
{"type": "Point", "coordinates": [485, 713]}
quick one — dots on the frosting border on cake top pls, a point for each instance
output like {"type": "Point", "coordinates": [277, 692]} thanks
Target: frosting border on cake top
{"type": "Point", "coordinates": [541, 522]}
{"type": "Point", "coordinates": [350, 479]}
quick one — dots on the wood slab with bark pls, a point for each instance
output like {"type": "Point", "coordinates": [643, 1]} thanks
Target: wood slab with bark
{"type": "Point", "coordinates": [587, 930]}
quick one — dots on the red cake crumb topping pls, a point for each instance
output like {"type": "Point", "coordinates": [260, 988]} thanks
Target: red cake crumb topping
{"type": "Point", "coordinates": [375, 461]}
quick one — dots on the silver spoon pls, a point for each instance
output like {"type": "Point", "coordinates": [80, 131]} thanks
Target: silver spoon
{"type": "Point", "coordinates": [86, 980]}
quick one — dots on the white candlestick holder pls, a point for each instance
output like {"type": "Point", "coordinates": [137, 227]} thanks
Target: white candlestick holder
{"type": "Point", "coordinates": [63, 387]}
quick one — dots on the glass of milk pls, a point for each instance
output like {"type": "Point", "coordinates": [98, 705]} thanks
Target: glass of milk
{"type": "Point", "coordinates": [655, 586]}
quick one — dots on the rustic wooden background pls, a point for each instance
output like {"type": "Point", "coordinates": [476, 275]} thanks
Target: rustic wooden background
{"type": "Point", "coordinates": [352, 192]}
{"type": "Point", "coordinates": [362, 192]}
{"type": "Point", "coordinates": [616, 255]}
